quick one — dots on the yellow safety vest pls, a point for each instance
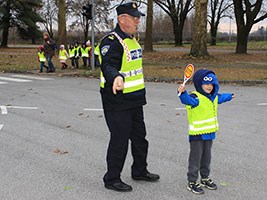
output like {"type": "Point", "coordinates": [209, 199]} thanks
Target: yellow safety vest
{"type": "Point", "coordinates": [85, 52]}
{"type": "Point", "coordinates": [41, 57]}
{"type": "Point", "coordinates": [71, 53]}
{"type": "Point", "coordinates": [62, 54]}
{"type": "Point", "coordinates": [131, 67]}
{"type": "Point", "coordinates": [202, 119]}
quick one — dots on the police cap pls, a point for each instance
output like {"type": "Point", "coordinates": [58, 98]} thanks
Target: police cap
{"type": "Point", "coordinates": [130, 9]}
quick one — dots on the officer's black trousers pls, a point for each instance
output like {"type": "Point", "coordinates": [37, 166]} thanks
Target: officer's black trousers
{"type": "Point", "coordinates": [125, 125]}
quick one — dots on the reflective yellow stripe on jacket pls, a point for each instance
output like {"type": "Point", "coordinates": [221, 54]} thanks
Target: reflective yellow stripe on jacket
{"type": "Point", "coordinates": [203, 118]}
{"type": "Point", "coordinates": [41, 57]}
{"type": "Point", "coordinates": [131, 67]}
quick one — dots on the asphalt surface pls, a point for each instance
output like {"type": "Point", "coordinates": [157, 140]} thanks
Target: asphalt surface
{"type": "Point", "coordinates": [53, 143]}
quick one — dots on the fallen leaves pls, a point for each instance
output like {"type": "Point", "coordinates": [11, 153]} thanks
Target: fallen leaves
{"type": "Point", "coordinates": [60, 152]}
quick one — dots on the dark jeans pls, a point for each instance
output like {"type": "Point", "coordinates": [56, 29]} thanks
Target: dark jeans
{"type": "Point", "coordinates": [124, 126]}
{"type": "Point", "coordinates": [50, 64]}
{"type": "Point", "coordinates": [199, 159]}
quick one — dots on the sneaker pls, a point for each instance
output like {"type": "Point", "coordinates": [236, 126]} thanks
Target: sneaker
{"type": "Point", "coordinates": [195, 188]}
{"type": "Point", "coordinates": [208, 183]}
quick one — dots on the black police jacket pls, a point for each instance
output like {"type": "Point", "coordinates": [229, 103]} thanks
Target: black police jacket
{"type": "Point", "coordinates": [111, 52]}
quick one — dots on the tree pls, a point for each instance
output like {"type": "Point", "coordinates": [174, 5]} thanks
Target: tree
{"type": "Point", "coordinates": [62, 31]}
{"type": "Point", "coordinates": [21, 14]}
{"type": "Point", "coordinates": [177, 12]}
{"type": "Point", "coordinates": [199, 43]}
{"type": "Point", "coordinates": [49, 14]}
{"type": "Point", "coordinates": [101, 15]}
{"type": "Point", "coordinates": [148, 46]}
{"type": "Point", "coordinates": [247, 14]}
{"type": "Point", "coordinates": [217, 12]}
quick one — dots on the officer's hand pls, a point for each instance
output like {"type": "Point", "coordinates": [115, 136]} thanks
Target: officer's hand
{"type": "Point", "coordinates": [118, 84]}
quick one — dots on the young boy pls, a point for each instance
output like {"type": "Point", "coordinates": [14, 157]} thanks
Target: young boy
{"type": "Point", "coordinates": [63, 56]}
{"type": "Point", "coordinates": [201, 107]}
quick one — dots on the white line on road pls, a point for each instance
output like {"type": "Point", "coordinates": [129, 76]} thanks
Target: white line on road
{"type": "Point", "coordinates": [4, 110]}
{"type": "Point", "coordinates": [14, 79]}
{"type": "Point", "coordinates": [180, 108]}
{"type": "Point", "coordinates": [262, 104]}
{"type": "Point", "coordinates": [1, 83]}
{"type": "Point", "coordinates": [93, 109]}
{"type": "Point", "coordinates": [32, 77]}
{"type": "Point", "coordinates": [1, 126]}
{"type": "Point", "coordinates": [26, 108]}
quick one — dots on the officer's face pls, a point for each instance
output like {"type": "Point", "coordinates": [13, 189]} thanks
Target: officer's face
{"type": "Point", "coordinates": [128, 23]}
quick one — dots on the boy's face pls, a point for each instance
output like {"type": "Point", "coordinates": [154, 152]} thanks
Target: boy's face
{"type": "Point", "coordinates": [207, 88]}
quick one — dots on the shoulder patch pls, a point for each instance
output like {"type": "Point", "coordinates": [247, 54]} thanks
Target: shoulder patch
{"type": "Point", "coordinates": [111, 37]}
{"type": "Point", "coordinates": [104, 50]}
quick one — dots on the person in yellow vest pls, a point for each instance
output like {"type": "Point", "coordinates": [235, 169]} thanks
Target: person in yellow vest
{"type": "Point", "coordinates": [123, 96]}
{"type": "Point", "coordinates": [41, 59]}
{"type": "Point", "coordinates": [72, 55]}
{"type": "Point", "coordinates": [85, 50]}
{"type": "Point", "coordinates": [201, 108]}
{"type": "Point", "coordinates": [88, 45]}
{"type": "Point", "coordinates": [63, 56]}
{"type": "Point", "coordinates": [78, 54]}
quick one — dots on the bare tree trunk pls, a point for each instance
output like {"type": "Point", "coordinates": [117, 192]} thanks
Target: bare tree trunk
{"type": "Point", "coordinates": [199, 43]}
{"type": "Point", "coordinates": [62, 31]}
{"type": "Point", "coordinates": [6, 26]}
{"type": "Point", "coordinates": [242, 40]}
{"type": "Point", "coordinates": [148, 46]}
{"type": "Point", "coordinates": [213, 34]}
{"type": "Point", "coordinates": [178, 32]}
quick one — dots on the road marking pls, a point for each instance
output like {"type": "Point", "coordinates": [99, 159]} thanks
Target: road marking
{"type": "Point", "coordinates": [92, 109]}
{"type": "Point", "coordinates": [1, 126]}
{"type": "Point", "coordinates": [14, 79]}
{"type": "Point", "coordinates": [180, 108]}
{"type": "Point", "coordinates": [262, 104]}
{"type": "Point", "coordinates": [32, 77]}
{"type": "Point", "coordinates": [1, 83]}
{"type": "Point", "coordinates": [4, 110]}
{"type": "Point", "coordinates": [26, 108]}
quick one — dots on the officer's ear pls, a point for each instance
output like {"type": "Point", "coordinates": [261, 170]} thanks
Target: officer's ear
{"type": "Point", "coordinates": [121, 18]}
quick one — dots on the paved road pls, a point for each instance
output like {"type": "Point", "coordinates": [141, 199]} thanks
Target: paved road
{"type": "Point", "coordinates": [53, 143]}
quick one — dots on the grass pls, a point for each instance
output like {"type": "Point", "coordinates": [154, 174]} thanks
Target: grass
{"type": "Point", "coordinates": [161, 64]}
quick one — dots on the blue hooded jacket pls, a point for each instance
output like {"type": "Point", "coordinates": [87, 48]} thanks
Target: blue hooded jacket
{"type": "Point", "coordinates": [204, 76]}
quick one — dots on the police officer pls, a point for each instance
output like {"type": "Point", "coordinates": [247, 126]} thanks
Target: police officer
{"type": "Point", "coordinates": [123, 96]}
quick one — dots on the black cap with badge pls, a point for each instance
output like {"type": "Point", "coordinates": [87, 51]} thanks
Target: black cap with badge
{"type": "Point", "coordinates": [130, 9]}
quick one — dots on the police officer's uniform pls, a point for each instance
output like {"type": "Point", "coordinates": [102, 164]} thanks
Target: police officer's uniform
{"type": "Point", "coordinates": [123, 111]}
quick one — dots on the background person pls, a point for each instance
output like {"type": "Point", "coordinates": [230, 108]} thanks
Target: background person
{"type": "Point", "coordinates": [49, 51]}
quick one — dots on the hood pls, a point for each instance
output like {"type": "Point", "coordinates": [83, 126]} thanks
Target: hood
{"type": "Point", "coordinates": [205, 76]}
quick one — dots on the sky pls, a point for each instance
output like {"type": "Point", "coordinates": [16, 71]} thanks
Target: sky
{"type": "Point", "coordinates": [224, 25]}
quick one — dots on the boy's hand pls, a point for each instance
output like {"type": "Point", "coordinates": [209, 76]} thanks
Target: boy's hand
{"type": "Point", "coordinates": [181, 89]}
{"type": "Point", "coordinates": [233, 96]}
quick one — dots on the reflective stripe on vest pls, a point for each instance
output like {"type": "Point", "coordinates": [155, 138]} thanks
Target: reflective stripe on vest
{"type": "Point", "coordinates": [41, 56]}
{"type": "Point", "coordinates": [62, 54]}
{"type": "Point", "coordinates": [131, 67]}
{"type": "Point", "coordinates": [203, 118]}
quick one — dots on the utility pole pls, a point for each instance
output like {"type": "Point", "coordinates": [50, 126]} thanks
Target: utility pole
{"type": "Point", "coordinates": [93, 35]}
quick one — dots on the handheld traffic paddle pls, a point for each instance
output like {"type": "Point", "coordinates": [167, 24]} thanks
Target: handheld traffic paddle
{"type": "Point", "coordinates": [188, 73]}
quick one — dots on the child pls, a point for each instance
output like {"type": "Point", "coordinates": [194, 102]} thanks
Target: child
{"type": "Point", "coordinates": [201, 107]}
{"type": "Point", "coordinates": [72, 55]}
{"type": "Point", "coordinates": [41, 58]}
{"type": "Point", "coordinates": [63, 56]}
{"type": "Point", "coordinates": [85, 54]}
{"type": "Point", "coordinates": [78, 53]}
